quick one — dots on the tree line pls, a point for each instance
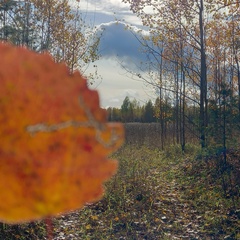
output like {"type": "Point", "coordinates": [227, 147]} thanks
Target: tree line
{"type": "Point", "coordinates": [193, 53]}
{"type": "Point", "coordinates": [223, 118]}
{"type": "Point", "coordinates": [133, 111]}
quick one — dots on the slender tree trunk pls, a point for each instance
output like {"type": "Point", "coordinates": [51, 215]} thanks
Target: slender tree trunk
{"type": "Point", "coordinates": [238, 77]}
{"type": "Point", "coordinates": [183, 142]}
{"type": "Point", "coordinates": [180, 105]}
{"type": "Point", "coordinates": [4, 25]}
{"type": "Point", "coordinates": [203, 80]}
{"type": "Point", "coordinates": [177, 104]}
{"type": "Point", "coordinates": [182, 94]}
{"type": "Point", "coordinates": [161, 101]}
{"type": "Point", "coordinates": [235, 54]}
{"type": "Point", "coordinates": [26, 24]}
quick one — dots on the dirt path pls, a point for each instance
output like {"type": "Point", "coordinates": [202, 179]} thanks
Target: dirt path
{"type": "Point", "coordinates": [178, 218]}
{"type": "Point", "coordinates": [160, 215]}
{"type": "Point", "coordinates": [145, 200]}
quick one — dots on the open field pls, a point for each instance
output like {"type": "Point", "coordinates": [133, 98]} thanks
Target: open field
{"type": "Point", "coordinates": [154, 195]}
{"type": "Point", "coordinates": [150, 135]}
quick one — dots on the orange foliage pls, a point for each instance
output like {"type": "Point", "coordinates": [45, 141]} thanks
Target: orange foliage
{"type": "Point", "coordinates": [54, 138]}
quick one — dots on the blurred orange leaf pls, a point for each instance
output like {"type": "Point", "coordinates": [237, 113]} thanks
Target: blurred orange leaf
{"type": "Point", "coordinates": [54, 138]}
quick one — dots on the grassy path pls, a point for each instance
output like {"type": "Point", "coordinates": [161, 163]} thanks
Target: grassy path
{"type": "Point", "coordinates": [153, 196]}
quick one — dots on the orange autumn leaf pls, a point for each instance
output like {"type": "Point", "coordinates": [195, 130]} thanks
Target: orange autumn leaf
{"type": "Point", "coordinates": [54, 138]}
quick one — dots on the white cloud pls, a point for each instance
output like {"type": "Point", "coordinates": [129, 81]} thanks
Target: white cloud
{"type": "Point", "coordinates": [115, 101]}
{"type": "Point", "coordinates": [131, 93]}
{"type": "Point", "coordinates": [99, 11]}
{"type": "Point", "coordinates": [104, 5]}
{"type": "Point", "coordinates": [118, 47]}
{"type": "Point", "coordinates": [116, 85]}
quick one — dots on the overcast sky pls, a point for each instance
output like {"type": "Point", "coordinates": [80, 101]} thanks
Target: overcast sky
{"type": "Point", "coordinates": [119, 48]}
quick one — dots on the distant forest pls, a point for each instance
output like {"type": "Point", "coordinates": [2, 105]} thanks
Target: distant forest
{"type": "Point", "coordinates": [223, 118]}
{"type": "Point", "coordinates": [193, 52]}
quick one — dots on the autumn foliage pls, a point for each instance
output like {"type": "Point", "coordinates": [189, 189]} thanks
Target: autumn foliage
{"type": "Point", "coordinates": [54, 138]}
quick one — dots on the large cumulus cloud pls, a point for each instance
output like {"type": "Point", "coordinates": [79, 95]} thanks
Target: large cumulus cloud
{"type": "Point", "coordinates": [122, 43]}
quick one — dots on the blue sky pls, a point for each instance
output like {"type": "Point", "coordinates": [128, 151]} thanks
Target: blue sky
{"type": "Point", "coordinates": [119, 48]}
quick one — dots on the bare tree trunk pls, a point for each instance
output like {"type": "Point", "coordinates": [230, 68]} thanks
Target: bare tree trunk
{"type": "Point", "coordinates": [177, 105]}
{"type": "Point", "coordinates": [183, 139]}
{"type": "Point", "coordinates": [161, 101]}
{"type": "Point", "coordinates": [26, 24]}
{"type": "Point", "coordinates": [238, 78]}
{"type": "Point", "coordinates": [203, 80]}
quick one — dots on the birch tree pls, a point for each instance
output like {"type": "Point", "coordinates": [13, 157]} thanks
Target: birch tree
{"type": "Point", "coordinates": [50, 25]}
{"type": "Point", "coordinates": [186, 24]}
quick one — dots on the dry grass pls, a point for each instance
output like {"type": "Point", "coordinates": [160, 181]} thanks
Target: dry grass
{"type": "Point", "coordinates": [154, 195]}
{"type": "Point", "coordinates": [150, 135]}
